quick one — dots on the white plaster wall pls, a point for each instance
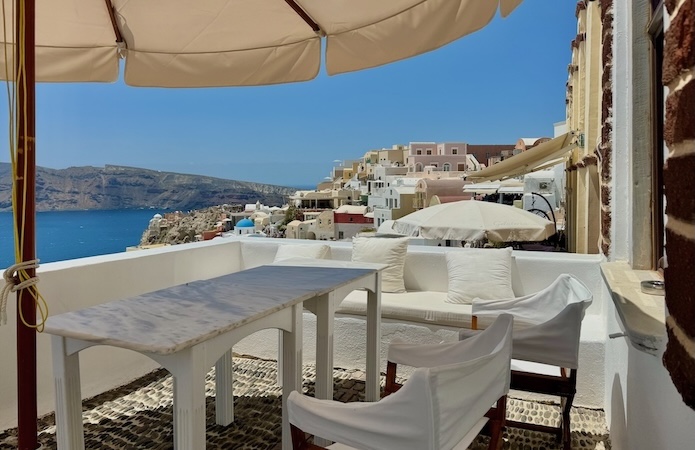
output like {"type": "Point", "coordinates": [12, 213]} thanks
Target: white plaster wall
{"type": "Point", "coordinates": [621, 165]}
{"type": "Point", "coordinates": [643, 409]}
{"type": "Point", "coordinates": [80, 283]}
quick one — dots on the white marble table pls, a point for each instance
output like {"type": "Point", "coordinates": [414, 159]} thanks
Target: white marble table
{"type": "Point", "coordinates": [190, 327]}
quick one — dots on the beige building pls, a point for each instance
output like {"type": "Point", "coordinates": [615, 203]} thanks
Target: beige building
{"type": "Point", "coordinates": [328, 199]}
{"type": "Point", "coordinates": [300, 230]}
{"type": "Point", "coordinates": [399, 201]}
{"type": "Point", "coordinates": [425, 189]}
{"type": "Point", "coordinates": [324, 228]}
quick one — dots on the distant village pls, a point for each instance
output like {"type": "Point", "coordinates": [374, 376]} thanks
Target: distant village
{"type": "Point", "coordinates": [366, 195]}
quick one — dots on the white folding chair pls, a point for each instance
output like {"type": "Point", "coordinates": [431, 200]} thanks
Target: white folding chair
{"type": "Point", "coordinates": [443, 405]}
{"type": "Point", "coordinates": [547, 328]}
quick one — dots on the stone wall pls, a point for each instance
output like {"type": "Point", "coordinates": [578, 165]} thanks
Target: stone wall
{"type": "Point", "coordinates": [604, 149]}
{"type": "Point", "coordinates": [679, 134]}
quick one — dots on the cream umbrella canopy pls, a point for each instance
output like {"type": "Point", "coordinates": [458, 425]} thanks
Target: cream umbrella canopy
{"type": "Point", "coordinates": [471, 220]}
{"type": "Point", "coordinates": [198, 43]}
{"type": "Point", "coordinates": [192, 43]}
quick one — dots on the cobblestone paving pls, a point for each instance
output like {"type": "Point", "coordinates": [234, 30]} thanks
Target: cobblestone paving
{"type": "Point", "coordinates": [139, 415]}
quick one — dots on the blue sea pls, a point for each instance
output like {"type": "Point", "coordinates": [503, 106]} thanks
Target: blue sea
{"type": "Point", "coordinates": [62, 235]}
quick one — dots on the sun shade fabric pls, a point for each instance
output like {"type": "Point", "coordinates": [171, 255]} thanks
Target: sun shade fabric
{"type": "Point", "coordinates": [206, 43]}
{"type": "Point", "coordinates": [541, 156]}
{"type": "Point", "coordinates": [471, 220]}
{"type": "Point", "coordinates": [547, 323]}
{"type": "Point", "coordinates": [435, 409]}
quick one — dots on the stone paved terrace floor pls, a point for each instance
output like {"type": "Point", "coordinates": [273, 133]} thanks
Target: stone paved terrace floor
{"type": "Point", "coordinates": [139, 415]}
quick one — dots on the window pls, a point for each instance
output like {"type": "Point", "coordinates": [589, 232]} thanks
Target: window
{"type": "Point", "coordinates": [656, 31]}
{"type": "Point", "coordinates": [418, 151]}
{"type": "Point", "coordinates": [454, 151]}
{"type": "Point", "coordinates": [429, 152]}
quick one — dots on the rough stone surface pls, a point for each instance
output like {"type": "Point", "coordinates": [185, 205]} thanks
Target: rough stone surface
{"type": "Point", "coordinates": [680, 115]}
{"type": "Point", "coordinates": [184, 227]}
{"type": "Point", "coordinates": [680, 296]}
{"type": "Point", "coordinates": [678, 179]}
{"type": "Point", "coordinates": [682, 368]}
{"type": "Point", "coordinates": [139, 415]}
{"type": "Point", "coordinates": [679, 48]}
{"type": "Point", "coordinates": [119, 187]}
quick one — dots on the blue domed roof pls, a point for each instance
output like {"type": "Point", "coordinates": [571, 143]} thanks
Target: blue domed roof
{"type": "Point", "coordinates": [245, 223]}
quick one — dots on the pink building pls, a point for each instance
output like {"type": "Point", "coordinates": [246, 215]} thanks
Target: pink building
{"type": "Point", "coordinates": [447, 156]}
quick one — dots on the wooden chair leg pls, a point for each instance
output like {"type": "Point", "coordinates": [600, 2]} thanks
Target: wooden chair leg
{"type": "Point", "coordinates": [390, 385]}
{"type": "Point", "coordinates": [497, 417]}
{"type": "Point", "coordinates": [566, 405]}
{"type": "Point", "coordinates": [300, 440]}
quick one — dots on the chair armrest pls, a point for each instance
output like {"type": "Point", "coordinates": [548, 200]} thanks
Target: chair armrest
{"type": "Point", "coordinates": [422, 355]}
{"type": "Point", "coordinates": [357, 424]}
{"type": "Point", "coordinates": [325, 418]}
{"type": "Point", "coordinates": [465, 333]}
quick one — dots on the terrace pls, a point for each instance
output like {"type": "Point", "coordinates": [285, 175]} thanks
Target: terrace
{"type": "Point", "coordinates": [605, 363]}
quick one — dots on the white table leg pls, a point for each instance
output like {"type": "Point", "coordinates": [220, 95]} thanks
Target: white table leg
{"type": "Point", "coordinates": [188, 369]}
{"type": "Point", "coordinates": [279, 374]}
{"type": "Point", "coordinates": [224, 390]}
{"type": "Point", "coordinates": [68, 414]}
{"type": "Point", "coordinates": [325, 318]}
{"type": "Point", "coordinates": [372, 390]}
{"type": "Point", "coordinates": [291, 368]}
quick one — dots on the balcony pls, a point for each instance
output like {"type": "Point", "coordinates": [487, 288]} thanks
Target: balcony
{"type": "Point", "coordinates": [615, 377]}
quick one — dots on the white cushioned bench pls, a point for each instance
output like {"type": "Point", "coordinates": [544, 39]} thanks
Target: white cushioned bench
{"type": "Point", "coordinates": [421, 314]}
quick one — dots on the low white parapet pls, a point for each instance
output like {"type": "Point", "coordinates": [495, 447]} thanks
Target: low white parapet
{"type": "Point", "coordinates": [81, 283]}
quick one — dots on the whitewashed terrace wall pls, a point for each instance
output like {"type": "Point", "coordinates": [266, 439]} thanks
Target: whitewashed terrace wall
{"type": "Point", "coordinates": [77, 284]}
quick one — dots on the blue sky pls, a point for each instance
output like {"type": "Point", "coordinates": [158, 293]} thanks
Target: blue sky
{"type": "Point", "coordinates": [492, 87]}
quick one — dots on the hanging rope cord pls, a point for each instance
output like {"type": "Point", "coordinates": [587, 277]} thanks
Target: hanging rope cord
{"type": "Point", "coordinates": [16, 277]}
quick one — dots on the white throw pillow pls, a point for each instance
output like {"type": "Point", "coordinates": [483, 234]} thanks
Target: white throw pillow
{"type": "Point", "coordinates": [484, 273]}
{"type": "Point", "coordinates": [389, 251]}
{"type": "Point", "coordinates": [301, 251]}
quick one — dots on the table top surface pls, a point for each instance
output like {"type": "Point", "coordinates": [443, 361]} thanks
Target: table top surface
{"type": "Point", "coordinates": [175, 318]}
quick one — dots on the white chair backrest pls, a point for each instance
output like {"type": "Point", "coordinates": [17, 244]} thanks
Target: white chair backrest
{"type": "Point", "coordinates": [439, 405]}
{"type": "Point", "coordinates": [434, 410]}
{"type": "Point", "coordinates": [547, 323]}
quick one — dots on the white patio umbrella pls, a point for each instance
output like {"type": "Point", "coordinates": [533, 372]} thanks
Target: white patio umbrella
{"type": "Point", "coordinates": [193, 43]}
{"type": "Point", "coordinates": [471, 220]}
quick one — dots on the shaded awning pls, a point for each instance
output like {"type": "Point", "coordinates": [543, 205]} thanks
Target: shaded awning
{"type": "Point", "coordinates": [498, 187]}
{"type": "Point", "coordinates": [539, 157]}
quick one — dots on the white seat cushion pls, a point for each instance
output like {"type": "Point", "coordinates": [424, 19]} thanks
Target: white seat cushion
{"type": "Point", "coordinates": [479, 273]}
{"type": "Point", "coordinates": [318, 251]}
{"type": "Point", "coordinates": [414, 306]}
{"type": "Point", "coordinates": [390, 251]}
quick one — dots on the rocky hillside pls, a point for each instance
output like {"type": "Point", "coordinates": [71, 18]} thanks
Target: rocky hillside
{"type": "Point", "coordinates": [119, 187]}
{"type": "Point", "coordinates": [184, 227]}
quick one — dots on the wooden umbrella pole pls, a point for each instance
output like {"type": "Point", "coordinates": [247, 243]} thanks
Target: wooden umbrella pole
{"type": "Point", "coordinates": [24, 184]}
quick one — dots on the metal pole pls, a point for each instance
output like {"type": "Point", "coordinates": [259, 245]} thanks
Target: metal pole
{"type": "Point", "coordinates": [24, 185]}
